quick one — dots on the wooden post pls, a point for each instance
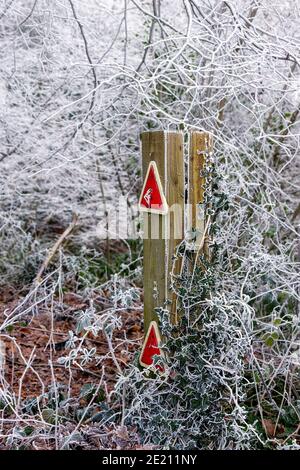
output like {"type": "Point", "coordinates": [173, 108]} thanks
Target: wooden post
{"type": "Point", "coordinates": [197, 220]}
{"type": "Point", "coordinates": [160, 236]}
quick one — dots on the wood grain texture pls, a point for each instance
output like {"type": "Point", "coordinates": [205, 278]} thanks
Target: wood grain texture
{"type": "Point", "coordinates": [200, 145]}
{"type": "Point", "coordinates": [175, 198]}
{"type": "Point", "coordinates": [159, 240]}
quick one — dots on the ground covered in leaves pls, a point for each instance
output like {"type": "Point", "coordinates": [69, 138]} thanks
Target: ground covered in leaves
{"type": "Point", "coordinates": [41, 383]}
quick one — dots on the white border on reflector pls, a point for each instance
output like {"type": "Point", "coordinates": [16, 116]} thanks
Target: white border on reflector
{"type": "Point", "coordinates": [157, 333]}
{"type": "Point", "coordinates": [150, 210]}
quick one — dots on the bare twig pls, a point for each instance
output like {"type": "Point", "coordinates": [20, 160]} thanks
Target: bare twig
{"type": "Point", "coordinates": [54, 249]}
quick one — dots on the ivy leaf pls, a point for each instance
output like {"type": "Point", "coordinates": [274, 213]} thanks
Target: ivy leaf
{"type": "Point", "coordinates": [48, 415]}
{"type": "Point", "coordinates": [269, 341]}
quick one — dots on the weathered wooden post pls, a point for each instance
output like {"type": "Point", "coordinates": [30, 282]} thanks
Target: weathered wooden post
{"type": "Point", "coordinates": [162, 201]}
{"type": "Point", "coordinates": [197, 219]}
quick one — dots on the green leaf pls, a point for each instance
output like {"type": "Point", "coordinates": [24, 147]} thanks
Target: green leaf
{"type": "Point", "coordinates": [48, 415]}
{"type": "Point", "coordinates": [28, 430]}
{"type": "Point", "coordinates": [88, 390]}
{"type": "Point", "coordinates": [269, 341]}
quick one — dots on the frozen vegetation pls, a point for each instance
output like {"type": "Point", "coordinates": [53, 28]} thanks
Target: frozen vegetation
{"type": "Point", "coordinates": [79, 81]}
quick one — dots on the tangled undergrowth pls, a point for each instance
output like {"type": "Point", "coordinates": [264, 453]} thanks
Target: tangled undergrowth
{"type": "Point", "coordinates": [217, 390]}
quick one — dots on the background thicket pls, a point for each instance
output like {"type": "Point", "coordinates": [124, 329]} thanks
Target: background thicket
{"type": "Point", "coordinates": [79, 81]}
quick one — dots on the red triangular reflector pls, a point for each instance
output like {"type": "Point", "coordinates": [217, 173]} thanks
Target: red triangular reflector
{"type": "Point", "coordinates": [151, 346]}
{"type": "Point", "coordinates": [152, 198]}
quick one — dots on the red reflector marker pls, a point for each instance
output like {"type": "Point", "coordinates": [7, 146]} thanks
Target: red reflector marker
{"type": "Point", "coordinates": [152, 197]}
{"type": "Point", "coordinates": [150, 347]}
